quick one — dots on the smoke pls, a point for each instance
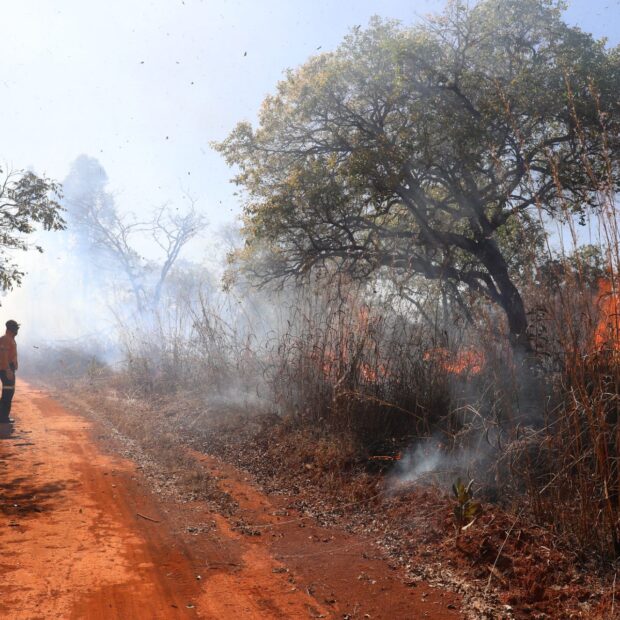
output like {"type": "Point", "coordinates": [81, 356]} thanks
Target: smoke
{"type": "Point", "coordinates": [431, 461]}
{"type": "Point", "coordinates": [242, 348]}
{"type": "Point", "coordinates": [100, 276]}
{"type": "Point", "coordinates": [506, 405]}
{"type": "Point", "coordinates": [53, 304]}
{"type": "Point", "coordinates": [420, 461]}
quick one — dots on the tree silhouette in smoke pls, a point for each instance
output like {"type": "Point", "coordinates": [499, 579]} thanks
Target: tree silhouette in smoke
{"type": "Point", "coordinates": [112, 240]}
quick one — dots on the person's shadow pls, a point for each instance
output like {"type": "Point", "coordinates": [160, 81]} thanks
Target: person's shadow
{"type": "Point", "coordinates": [6, 430]}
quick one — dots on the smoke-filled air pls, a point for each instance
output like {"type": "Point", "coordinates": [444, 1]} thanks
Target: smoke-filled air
{"type": "Point", "coordinates": [311, 310]}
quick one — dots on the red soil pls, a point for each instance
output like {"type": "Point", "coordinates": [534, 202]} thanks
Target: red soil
{"type": "Point", "coordinates": [83, 536]}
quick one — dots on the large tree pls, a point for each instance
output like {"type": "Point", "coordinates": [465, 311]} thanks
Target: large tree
{"type": "Point", "coordinates": [27, 201]}
{"type": "Point", "coordinates": [430, 150]}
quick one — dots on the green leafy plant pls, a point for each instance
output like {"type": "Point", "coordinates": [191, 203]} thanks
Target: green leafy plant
{"type": "Point", "coordinates": [466, 509]}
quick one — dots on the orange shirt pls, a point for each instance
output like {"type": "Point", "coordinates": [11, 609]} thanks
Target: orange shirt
{"type": "Point", "coordinates": [8, 352]}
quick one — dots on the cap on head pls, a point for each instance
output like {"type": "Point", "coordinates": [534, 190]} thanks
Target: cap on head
{"type": "Point", "coordinates": [12, 326]}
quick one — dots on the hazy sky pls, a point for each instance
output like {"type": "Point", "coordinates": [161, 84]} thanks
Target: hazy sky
{"type": "Point", "coordinates": [146, 85]}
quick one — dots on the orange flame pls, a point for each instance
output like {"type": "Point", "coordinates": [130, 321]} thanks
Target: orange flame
{"type": "Point", "coordinates": [467, 361]}
{"type": "Point", "coordinates": [607, 334]}
{"type": "Point", "coordinates": [394, 457]}
{"type": "Point", "coordinates": [334, 362]}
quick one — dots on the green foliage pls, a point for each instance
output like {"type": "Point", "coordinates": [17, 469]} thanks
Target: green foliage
{"type": "Point", "coordinates": [466, 509]}
{"type": "Point", "coordinates": [428, 150]}
{"type": "Point", "coordinates": [586, 265]}
{"type": "Point", "coordinates": [26, 200]}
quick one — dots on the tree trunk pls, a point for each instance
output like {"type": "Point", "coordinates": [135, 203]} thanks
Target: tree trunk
{"type": "Point", "coordinates": [529, 390]}
{"type": "Point", "coordinates": [513, 306]}
{"type": "Point", "coordinates": [510, 298]}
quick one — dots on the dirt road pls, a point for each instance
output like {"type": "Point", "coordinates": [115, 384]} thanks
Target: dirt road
{"type": "Point", "coordinates": [83, 536]}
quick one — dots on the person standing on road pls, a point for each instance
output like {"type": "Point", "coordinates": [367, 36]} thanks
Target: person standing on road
{"type": "Point", "coordinates": [8, 366]}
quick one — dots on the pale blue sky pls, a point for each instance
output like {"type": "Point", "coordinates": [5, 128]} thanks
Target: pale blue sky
{"type": "Point", "coordinates": [146, 85]}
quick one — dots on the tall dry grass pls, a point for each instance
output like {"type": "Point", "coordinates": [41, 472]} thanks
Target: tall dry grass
{"type": "Point", "coordinates": [571, 464]}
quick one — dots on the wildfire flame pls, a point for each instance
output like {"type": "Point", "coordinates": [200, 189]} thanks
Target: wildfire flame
{"type": "Point", "coordinates": [607, 333]}
{"type": "Point", "coordinates": [467, 361]}
{"type": "Point", "coordinates": [393, 457]}
{"type": "Point", "coordinates": [334, 360]}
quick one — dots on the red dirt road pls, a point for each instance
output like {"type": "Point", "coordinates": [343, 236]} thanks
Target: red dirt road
{"type": "Point", "coordinates": [82, 536]}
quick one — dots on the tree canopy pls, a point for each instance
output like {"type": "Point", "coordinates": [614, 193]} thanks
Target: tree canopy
{"type": "Point", "coordinates": [26, 201]}
{"type": "Point", "coordinates": [433, 150]}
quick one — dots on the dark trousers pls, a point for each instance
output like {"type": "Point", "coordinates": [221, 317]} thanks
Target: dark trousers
{"type": "Point", "coordinates": [8, 389]}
